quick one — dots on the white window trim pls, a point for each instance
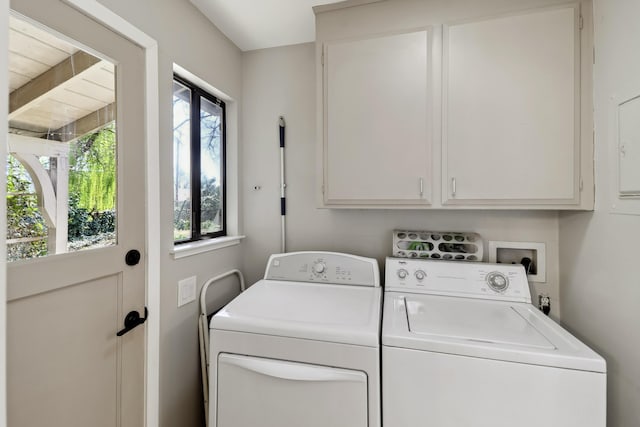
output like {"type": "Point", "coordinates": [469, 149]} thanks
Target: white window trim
{"type": "Point", "coordinates": [201, 246]}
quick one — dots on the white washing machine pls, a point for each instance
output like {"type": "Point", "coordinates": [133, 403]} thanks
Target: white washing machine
{"type": "Point", "coordinates": [300, 347]}
{"type": "Point", "coordinates": [463, 346]}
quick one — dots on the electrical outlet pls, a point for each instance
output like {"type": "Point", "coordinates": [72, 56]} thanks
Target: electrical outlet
{"type": "Point", "coordinates": [187, 290]}
{"type": "Point", "coordinates": [544, 303]}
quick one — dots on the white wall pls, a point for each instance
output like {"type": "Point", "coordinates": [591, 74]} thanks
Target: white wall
{"type": "Point", "coordinates": [281, 81]}
{"type": "Point", "coordinates": [187, 38]}
{"type": "Point", "coordinates": [600, 283]}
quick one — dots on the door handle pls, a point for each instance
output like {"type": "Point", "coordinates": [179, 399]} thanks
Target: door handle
{"type": "Point", "coordinates": [291, 370]}
{"type": "Point", "coordinates": [133, 319]}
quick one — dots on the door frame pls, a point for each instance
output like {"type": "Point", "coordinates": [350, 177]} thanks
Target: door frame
{"type": "Point", "coordinates": [103, 15]}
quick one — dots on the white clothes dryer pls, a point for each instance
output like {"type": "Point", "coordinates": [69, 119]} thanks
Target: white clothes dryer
{"type": "Point", "coordinates": [300, 347]}
{"type": "Point", "coordinates": [463, 346]}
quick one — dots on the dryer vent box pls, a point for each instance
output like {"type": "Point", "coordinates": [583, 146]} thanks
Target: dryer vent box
{"type": "Point", "coordinates": [515, 252]}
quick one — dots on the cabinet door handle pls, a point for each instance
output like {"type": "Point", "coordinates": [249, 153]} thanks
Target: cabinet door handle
{"type": "Point", "coordinates": [453, 187]}
{"type": "Point", "coordinates": [421, 187]}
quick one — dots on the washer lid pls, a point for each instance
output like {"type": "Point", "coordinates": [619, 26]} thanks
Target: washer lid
{"type": "Point", "coordinates": [500, 330]}
{"type": "Point", "coordinates": [466, 319]}
{"type": "Point", "coordinates": [321, 312]}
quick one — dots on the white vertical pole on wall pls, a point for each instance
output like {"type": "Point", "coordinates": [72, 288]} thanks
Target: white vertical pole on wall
{"type": "Point", "coordinates": [283, 186]}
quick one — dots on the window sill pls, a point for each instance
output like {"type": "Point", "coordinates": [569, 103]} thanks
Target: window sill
{"type": "Point", "coordinates": [202, 246]}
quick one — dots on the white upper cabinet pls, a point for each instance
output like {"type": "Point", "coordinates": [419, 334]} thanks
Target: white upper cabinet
{"type": "Point", "coordinates": [511, 109]}
{"type": "Point", "coordinates": [457, 105]}
{"type": "Point", "coordinates": [377, 120]}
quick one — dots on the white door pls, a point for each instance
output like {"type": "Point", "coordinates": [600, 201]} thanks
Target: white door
{"type": "Point", "coordinates": [66, 366]}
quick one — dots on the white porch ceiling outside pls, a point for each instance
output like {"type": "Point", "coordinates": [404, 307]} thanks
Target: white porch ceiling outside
{"type": "Point", "coordinates": [53, 84]}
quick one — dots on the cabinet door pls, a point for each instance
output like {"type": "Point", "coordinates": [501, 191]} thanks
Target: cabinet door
{"type": "Point", "coordinates": [377, 120]}
{"type": "Point", "coordinates": [255, 391]}
{"type": "Point", "coordinates": [511, 111]}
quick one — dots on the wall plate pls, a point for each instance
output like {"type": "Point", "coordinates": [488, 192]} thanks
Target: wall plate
{"type": "Point", "coordinates": [187, 290]}
{"type": "Point", "coordinates": [624, 153]}
{"type": "Point", "coordinates": [512, 252]}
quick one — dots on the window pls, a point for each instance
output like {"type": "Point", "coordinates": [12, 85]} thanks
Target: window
{"type": "Point", "coordinates": [199, 197]}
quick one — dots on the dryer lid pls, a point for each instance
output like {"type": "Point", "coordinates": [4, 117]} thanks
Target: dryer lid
{"type": "Point", "coordinates": [321, 312]}
{"type": "Point", "coordinates": [499, 330]}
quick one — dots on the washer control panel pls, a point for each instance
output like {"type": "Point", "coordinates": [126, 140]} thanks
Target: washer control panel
{"type": "Point", "coordinates": [458, 278]}
{"type": "Point", "coordinates": [323, 267]}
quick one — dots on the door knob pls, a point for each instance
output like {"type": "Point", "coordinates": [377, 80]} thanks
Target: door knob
{"type": "Point", "coordinates": [132, 257]}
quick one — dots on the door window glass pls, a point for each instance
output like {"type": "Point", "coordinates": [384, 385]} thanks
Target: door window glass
{"type": "Point", "coordinates": [61, 167]}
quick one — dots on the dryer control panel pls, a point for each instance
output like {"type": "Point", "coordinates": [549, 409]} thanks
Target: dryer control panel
{"type": "Point", "coordinates": [507, 282]}
{"type": "Point", "coordinates": [323, 267]}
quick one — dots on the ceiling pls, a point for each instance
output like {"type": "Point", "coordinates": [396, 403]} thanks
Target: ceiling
{"type": "Point", "coordinates": [252, 24]}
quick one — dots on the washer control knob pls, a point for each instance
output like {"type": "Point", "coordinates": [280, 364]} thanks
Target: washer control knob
{"type": "Point", "coordinates": [402, 273]}
{"type": "Point", "coordinates": [319, 267]}
{"type": "Point", "coordinates": [420, 274]}
{"type": "Point", "coordinates": [497, 281]}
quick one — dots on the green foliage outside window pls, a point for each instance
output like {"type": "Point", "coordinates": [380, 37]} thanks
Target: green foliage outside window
{"type": "Point", "coordinates": [92, 165]}
{"type": "Point", "coordinates": [211, 204]}
{"type": "Point", "coordinates": [25, 225]}
{"type": "Point", "coordinates": [92, 196]}
{"type": "Point", "coordinates": [92, 187]}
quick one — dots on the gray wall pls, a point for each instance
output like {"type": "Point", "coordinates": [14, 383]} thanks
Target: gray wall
{"type": "Point", "coordinates": [281, 81]}
{"type": "Point", "coordinates": [599, 251]}
{"type": "Point", "coordinates": [187, 38]}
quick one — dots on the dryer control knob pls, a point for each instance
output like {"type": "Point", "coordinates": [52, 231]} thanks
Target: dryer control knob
{"type": "Point", "coordinates": [319, 267]}
{"type": "Point", "coordinates": [402, 273]}
{"type": "Point", "coordinates": [420, 275]}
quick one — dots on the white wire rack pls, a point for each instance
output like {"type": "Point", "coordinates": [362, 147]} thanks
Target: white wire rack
{"type": "Point", "coordinates": [203, 333]}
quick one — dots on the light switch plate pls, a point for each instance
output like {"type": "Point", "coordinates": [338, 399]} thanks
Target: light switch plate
{"type": "Point", "coordinates": [187, 290]}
